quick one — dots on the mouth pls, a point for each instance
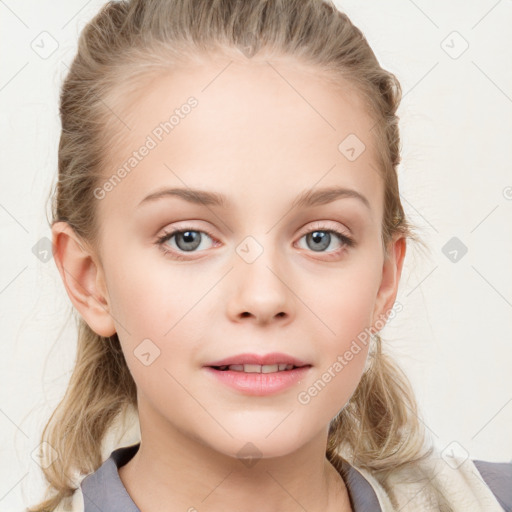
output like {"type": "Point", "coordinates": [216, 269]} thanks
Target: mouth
{"type": "Point", "coordinates": [259, 380]}
{"type": "Point", "coordinates": [258, 368]}
{"type": "Point", "coordinates": [258, 375]}
{"type": "Point", "coordinates": [258, 363]}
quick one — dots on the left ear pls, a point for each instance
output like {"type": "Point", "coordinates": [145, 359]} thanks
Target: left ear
{"type": "Point", "coordinates": [391, 272]}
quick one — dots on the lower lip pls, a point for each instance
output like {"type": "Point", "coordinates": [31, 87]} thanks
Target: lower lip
{"type": "Point", "coordinates": [259, 384]}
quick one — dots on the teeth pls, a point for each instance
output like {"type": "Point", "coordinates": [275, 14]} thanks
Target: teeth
{"type": "Point", "coordinates": [252, 368]}
{"type": "Point", "coordinates": [257, 368]}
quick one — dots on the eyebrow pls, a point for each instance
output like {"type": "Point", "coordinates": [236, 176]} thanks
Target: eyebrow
{"type": "Point", "coordinates": [306, 199]}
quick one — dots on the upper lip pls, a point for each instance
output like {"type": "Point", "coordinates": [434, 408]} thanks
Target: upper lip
{"type": "Point", "coordinates": [264, 359]}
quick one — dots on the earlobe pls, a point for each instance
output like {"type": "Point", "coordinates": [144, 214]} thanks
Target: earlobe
{"type": "Point", "coordinates": [83, 278]}
{"type": "Point", "coordinates": [391, 273]}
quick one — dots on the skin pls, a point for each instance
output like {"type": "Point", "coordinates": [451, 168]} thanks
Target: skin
{"type": "Point", "coordinates": [256, 140]}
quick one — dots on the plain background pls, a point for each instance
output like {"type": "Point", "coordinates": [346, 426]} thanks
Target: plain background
{"type": "Point", "coordinates": [454, 335]}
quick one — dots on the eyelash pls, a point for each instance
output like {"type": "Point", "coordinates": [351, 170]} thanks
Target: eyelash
{"type": "Point", "coordinates": [168, 235]}
{"type": "Point", "coordinates": [347, 242]}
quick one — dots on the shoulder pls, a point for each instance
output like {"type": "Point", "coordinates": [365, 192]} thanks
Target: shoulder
{"type": "Point", "coordinates": [498, 477]}
{"type": "Point", "coordinates": [117, 447]}
{"type": "Point", "coordinates": [464, 484]}
{"type": "Point", "coordinates": [442, 482]}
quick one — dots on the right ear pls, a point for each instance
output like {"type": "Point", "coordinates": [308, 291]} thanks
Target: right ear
{"type": "Point", "coordinates": [83, 278]}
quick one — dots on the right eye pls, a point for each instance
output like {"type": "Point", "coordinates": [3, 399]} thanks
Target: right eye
{"type": "Point", "coordinates": [186, 240]}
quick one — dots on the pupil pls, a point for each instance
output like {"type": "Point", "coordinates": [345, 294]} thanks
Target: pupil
{"type": "Point", "coordinates": [320, 237]}
{"type": "Point", "coordinates": [191, 240]}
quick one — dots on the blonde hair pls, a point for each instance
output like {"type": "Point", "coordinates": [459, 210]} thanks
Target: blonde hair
{"type": "Point", "coordinates": [129, 42]}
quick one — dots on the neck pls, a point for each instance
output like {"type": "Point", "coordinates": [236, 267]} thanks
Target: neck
{"type": "Point", "coordinates": [172, 472]}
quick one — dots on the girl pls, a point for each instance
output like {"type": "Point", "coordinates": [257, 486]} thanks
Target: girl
{"type": "Point", "coordinates": [207, 148]}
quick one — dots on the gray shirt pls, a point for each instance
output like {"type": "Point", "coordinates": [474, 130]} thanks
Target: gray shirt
{"type": "Point", "coordinates": [103, 490]}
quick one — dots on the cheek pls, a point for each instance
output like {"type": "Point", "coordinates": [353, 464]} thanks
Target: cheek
{"type": "Point", "coordinates": [344, 301]}
{"type": "Point", "coordinates": [344, 311]}
{"type": "Point", "coordinates": [150, 294]}
{"type": "Point", "coordinates": [159, 312]}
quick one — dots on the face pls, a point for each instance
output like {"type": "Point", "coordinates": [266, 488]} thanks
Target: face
{"type": "Point", "coordinates": [257, 273]}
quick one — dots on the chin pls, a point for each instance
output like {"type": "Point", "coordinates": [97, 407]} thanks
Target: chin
{"type": "Point", "coordinates": [253, 444]}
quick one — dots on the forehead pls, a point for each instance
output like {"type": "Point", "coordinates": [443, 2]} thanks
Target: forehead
{"type": "Point", "coordinates": [270, 126]}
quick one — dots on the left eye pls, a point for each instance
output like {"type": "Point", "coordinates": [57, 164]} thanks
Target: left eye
{"type": "Point", "coordinates": [187, 240]}
{"type": "Point", "coordinates": [320, 239]}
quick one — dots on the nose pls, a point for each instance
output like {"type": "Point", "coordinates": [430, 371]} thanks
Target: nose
{"type": "Point", "coordinates": [259, 290]}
